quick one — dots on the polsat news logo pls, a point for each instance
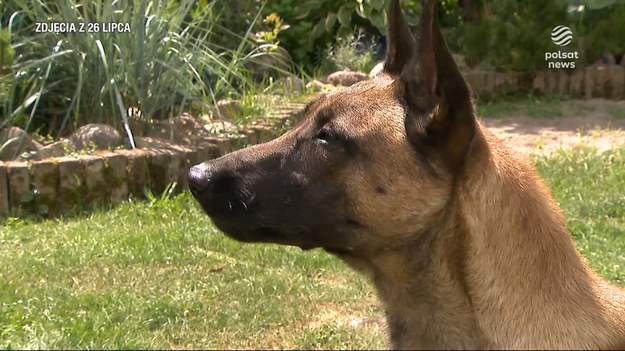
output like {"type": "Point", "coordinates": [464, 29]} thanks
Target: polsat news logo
{"type": "Point", "coordinates": [561, 36]}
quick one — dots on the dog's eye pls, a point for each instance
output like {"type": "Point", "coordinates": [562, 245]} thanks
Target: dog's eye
{"type": "Point", "coordinates": [325, 135]}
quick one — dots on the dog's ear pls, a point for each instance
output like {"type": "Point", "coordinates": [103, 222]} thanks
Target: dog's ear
{"type": "Point", "coordinates": [440, 118]}
{"type": "Point", "coordinates": [400, 43]}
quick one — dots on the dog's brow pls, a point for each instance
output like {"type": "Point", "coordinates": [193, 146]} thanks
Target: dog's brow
{"type": "Point", "coordinates": [324, 116]}
{"type": "Point", "coordinates": [312, 104]}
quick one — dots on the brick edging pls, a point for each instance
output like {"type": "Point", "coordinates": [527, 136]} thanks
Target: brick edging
{"type": "Point", "coordinates": [57, 185]}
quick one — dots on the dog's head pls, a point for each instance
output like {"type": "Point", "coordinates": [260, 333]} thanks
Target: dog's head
{"type": "Point", "coordinates": [367, 169]}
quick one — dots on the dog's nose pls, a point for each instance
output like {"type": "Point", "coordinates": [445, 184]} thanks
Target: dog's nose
{"type": "Point", "coordinates": [198, 179]}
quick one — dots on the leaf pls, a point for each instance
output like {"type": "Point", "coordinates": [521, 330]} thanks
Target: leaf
{"type": "Point", "coordinates": [377, 4]}
{"type": "Point", "coordinates": [330, 21]}
{"type": "Point", "coordinates": [360, 10]}
{"type": "Point", "coordinates": [304, 9]}
{"type": "Point", "coordinates": [318, 29]}
{"type": "Point", "coordinates": [377, 19]}
{"type": "Point", "coordinates": [345, 16]}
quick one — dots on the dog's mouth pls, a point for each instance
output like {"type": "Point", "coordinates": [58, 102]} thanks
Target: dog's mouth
{"type": "Point", "coordinates": [247, 229]}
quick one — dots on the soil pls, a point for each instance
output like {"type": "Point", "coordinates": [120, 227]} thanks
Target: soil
{"type": "Point", "coordinates": [589, 122]}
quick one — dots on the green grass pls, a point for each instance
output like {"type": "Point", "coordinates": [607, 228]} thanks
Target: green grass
{"type": "Point", "coordinates": [533, 106]}
{"type": "Point", "coordinates": [158, 275]}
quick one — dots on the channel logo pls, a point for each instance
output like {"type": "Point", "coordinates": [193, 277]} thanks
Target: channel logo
{"type": "Point", "coordinates": [561, 35]}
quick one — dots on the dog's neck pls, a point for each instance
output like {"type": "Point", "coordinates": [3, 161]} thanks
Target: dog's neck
{"type": "Point", "coordinates": [499, 271]}
{"type": "Point", "coordinates": [422, 287]}
{"type": "Point", "coordinates": [528, 285]}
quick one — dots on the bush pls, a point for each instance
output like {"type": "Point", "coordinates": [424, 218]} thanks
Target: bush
{"type": "Point", "coordinates": [354, 52]}
{"type": "Point", "coordinates": [165, 62]}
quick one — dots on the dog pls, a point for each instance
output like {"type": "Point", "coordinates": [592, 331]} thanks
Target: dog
{"type": "Point", "coordinates": [464, 243]}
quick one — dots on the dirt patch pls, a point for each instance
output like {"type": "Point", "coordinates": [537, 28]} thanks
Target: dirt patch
{"type": "Point", "coordinates": [596, 123]}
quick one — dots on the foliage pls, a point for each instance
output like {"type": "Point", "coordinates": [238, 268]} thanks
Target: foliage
{"type": "Point", "coordinates": [354, 52]}
{"type": "Point", "coordinates": [63, 80]}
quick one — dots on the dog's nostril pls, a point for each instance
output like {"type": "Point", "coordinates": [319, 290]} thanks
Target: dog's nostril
{"type": "Point", "coordinates": [198, 179]}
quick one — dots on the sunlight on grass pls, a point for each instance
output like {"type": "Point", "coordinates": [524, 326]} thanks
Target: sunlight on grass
{"type": "Point", "coordinates": [160, 275]}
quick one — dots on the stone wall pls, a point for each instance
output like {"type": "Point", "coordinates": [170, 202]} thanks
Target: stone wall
{"type": "Point", "coordinates": [57, 185]}
{"type": "Point", "coordinates": [585, 82]}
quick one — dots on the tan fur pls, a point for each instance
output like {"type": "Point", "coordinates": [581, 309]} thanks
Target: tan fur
{"type": "Point", "coordinates": [479, 281]}
{"type": "Point", "coordinates": [464, 256]}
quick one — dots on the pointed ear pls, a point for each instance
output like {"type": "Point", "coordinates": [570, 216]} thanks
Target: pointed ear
{"type": "Point", "coordinates": [399, 41]}
{"type": "Point", "coordinates": [440, 119]}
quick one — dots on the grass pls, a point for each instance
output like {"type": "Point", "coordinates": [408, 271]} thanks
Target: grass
{"type": "Point", "coordinates": [158, 274]}
{"type": "Point", "coordinates": [533, 106]}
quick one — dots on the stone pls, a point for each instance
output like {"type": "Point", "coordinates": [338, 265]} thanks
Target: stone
{"type": "Point", "coordinates": [551, 80]}
{"type": "Point", "coordinates": [102, 135]}
{"type": "Point", "coordinates": [158, 165]}
{"type": "Point", "coordinates": [477, 81]}
{"type": "Point", "coordinates": [317, 85]}
{"type": "Point", "coordinates": [252, 137]}
{"type": "Point", "coordinates": [227, 109]}
{"type": "Point", "coordinates": [57, 149]}
{"type": "Point", "coordinates": [563, 82]}
{"type": "Point", "coordinates": [71, 182]}
{"type": "Point", "coordinates": [460, 62]}
{"type": "Point", "coordinates": [602, 86]}
{"type": "Point", "coordinates": [138, 173]}
{"type": "Point", "coordinates": [576, 84]}
{"type": "Point", "coordinates": [618, 81]}
{"type": "Point", "coordinates": [116, 178]}
{"type": "Point", "coordinates": [221, 127]}
{"type": "Point", "coordinates": [4, 194]}
{"type": "Point", "coordinates": [609, 59]}
{"type": "Point", "coordinates": [180, 129]}
{"type": "Point", "coordinates": [153, 143]}
{"type": "Point", "coordinates": [45, 177]}
{"type": "Point", "coordinates": [19, 183]}
{"type": "Point", "coordinates": [14, 141]}
{"type": "Point", "coordinates": [539, 84]}
{"type": "Point", "coordinates": [589, 81]}
{"type": "Point", "coordinates": [491, 78]}
{"type": "Point", "coordinates": [346, 77]}
{"type": "Point", "coordinates": [265, 133]}
{"type": "Point", "coordinates": [95, 179]}
{"type": "Point", "coordinates": [224, 144]}
{"type": "Point", "coordinates": [291, 84]}
{"type": "Point", "coordinates": [274, 62]}
{"type": "Point", "coordinates": [379, 67]}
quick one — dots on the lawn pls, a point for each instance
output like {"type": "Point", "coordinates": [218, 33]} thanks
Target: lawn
{"type": "Point", "coordinates": [158, 275]}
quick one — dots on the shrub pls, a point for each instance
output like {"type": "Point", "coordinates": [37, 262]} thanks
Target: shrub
{"type": "Point", "coordinates": [63, 80]}
{"type": "Point", "coordinates": [355, 52]}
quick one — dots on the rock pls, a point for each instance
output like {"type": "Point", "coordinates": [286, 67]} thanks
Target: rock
{"type": "Point", "coordinates": [460, 62]}
{"type": "Point", "coordinates": [291, 85]}
{"type": "Point", "coordinates": [102, 135]}
{"type": "Point", "coordinates": [315, 85]}
{"type": "Point", "coordinates": [10, 140]}
{"type": "Point", "coordinates": [153, 143]}
{"type": "Point", "coordinates": [221, 127]}
{"type": "Point", "coordinates": [609, 59]}
{"type": "Point", "coordinates": [228, 109]}
{"type": "Point", "coordinates": [539, 83]}
{"type": "Point", "coordinates": [56, 149]}
{"type": "Point", "coordinates": [273, 61]}
{"type": "Point", "coordinates": [184, 128]}
{"type": "Point", "coordinates": [379, 67]}
{"type": "Point", "coordinates": [346, 77]}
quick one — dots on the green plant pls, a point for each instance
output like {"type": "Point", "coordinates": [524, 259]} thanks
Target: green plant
{"type": "Point", "coordinates": [345, 53]}
{"type": "Point", "coordinates": [165, 62]}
